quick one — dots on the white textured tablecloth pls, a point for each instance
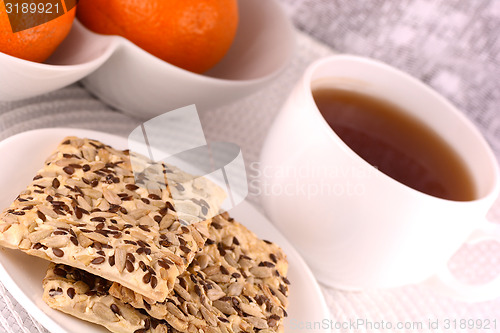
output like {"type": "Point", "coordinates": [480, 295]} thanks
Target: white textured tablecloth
{"type": "Point", "coordinates": [452, 45]}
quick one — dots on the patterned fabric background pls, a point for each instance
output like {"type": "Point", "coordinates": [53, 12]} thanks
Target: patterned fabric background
{"type": "Point", "coordinates": [452, 45]}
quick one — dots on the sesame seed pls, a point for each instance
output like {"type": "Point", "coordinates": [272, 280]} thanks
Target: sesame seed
{"type": "Point", "coordinates": [69, 170]}
{"type": "Point", "coordinates": [154, 282]}
{"type": "Point", "coordinates": [115, 309]}
{"type": "Point", "coordinates": [41, 216]}
{"type": "Point", "coordinates": [58, 252]}
{"type": "Point", "coordinates": [129, 266]}
{"type": "Point", "coordinates": [131, 187]}
{"type": "Point", "coordinates": [71, 292]}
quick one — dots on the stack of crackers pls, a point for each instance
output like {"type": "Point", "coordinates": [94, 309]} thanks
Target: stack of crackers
{"type": "Point", "coordinates": [122, 256]}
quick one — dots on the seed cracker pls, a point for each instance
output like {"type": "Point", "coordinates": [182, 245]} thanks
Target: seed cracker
{"type": "Point", "coordinates": [86, 296]}
{"type": "Point", "coordinates": [237, 283]}
{"type": "Point", "coordinates": [84, 209]}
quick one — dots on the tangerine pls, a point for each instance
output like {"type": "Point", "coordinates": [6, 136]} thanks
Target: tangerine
{"type": "Point", "coordinates": [37, 43]}
{"type": "Point", "coordinates": [191, 34]}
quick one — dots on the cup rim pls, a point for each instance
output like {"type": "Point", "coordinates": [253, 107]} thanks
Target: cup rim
{"type": "Point", "coordinates": [493, 191]}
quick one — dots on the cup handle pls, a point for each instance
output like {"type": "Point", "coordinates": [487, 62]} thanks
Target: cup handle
{"type": "Point", "coordinates": [445, 283]}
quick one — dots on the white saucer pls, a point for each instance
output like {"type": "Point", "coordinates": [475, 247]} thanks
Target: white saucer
{"type": "Point", "coordinates": [23, 154]}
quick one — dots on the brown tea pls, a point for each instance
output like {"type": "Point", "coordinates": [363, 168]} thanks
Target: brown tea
{"type": "Point", "coordinates": [398, 144]}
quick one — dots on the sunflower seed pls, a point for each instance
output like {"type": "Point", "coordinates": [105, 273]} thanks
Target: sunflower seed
{"type": "Point", "coordinates": [84, 241]}
{"type": "Point", "coordinates": [55, 241]}
{"type": "Point", "coordinates": [224, 307]}
{"type": "Point", "coordinates": [104, 312]}
{"type": "Point", "coordinates": [261, 272]}
{"type": "Point", "coordinates": [112, 197]}
{"type": "Point", "coordinates": [120, 258]}
{"type": "Point", "coordinates": [257, 322]}
{"type": "Point", "coordinates": [37, 236]}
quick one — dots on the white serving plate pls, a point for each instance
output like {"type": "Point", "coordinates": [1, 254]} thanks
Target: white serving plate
{"type": "Point", "coordinates": [138, 83]}
{"type": "Point", "coordinates": [23, 154]}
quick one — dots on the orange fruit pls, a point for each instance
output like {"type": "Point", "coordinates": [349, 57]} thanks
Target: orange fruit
{"type": "Point", "coordinates": [191, 34]}
{"type": "Point", "coordinates": [37, 43]}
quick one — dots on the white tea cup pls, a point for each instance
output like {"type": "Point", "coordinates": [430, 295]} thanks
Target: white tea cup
{"type": "Point", "coordinates": [357, 227]}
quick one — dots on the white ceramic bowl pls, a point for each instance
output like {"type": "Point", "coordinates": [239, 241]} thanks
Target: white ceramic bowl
{"type": "Point", "coordinates": [134, 81]}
